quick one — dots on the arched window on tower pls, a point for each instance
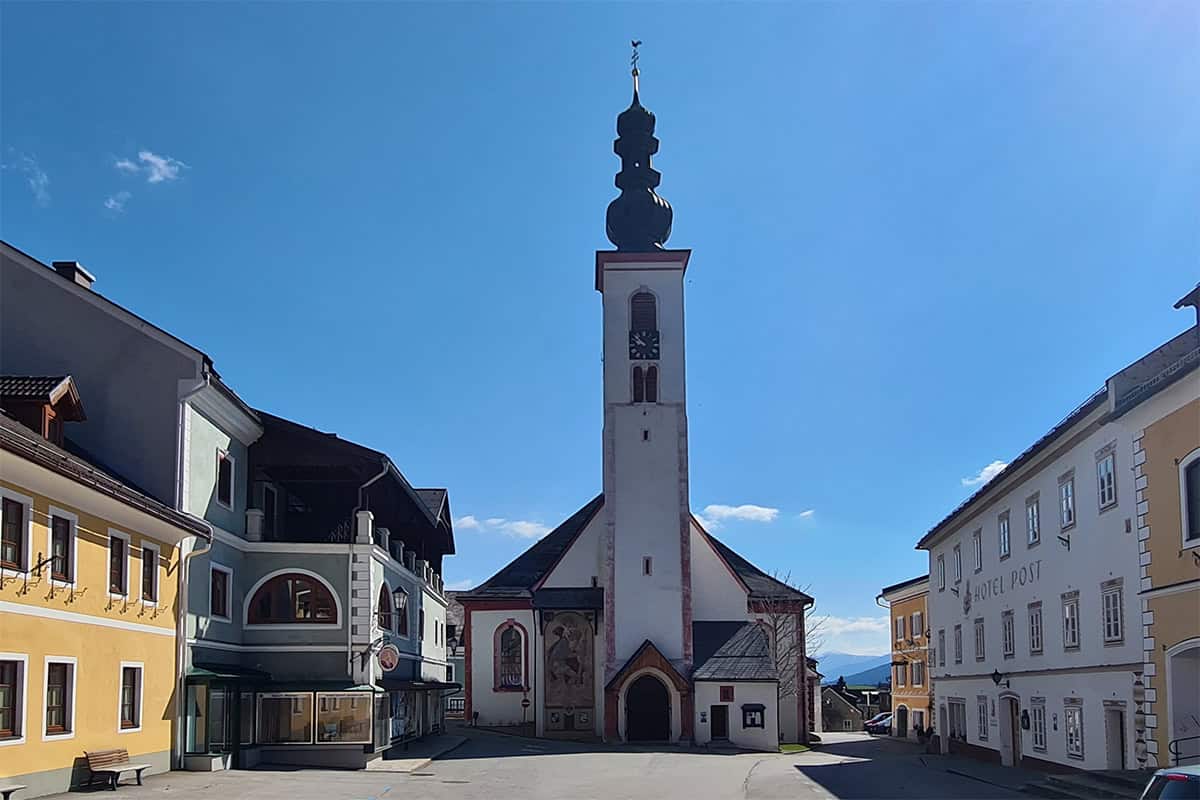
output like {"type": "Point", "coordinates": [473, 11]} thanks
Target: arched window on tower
{"type": "Point", "coordinates": [643, 312]}
{"type": "Point", "coordinates": [645, 384]}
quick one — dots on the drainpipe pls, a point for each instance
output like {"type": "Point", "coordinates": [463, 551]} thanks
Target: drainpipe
{"type": "Point", "coordinates": [362, 503]}
{"type": "Point", "coordinates": [181, 638]}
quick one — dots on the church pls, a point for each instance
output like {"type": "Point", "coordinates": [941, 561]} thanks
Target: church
{"type": "Point", "coordinates": [629, 621]}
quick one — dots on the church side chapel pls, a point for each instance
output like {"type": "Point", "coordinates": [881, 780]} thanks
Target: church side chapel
{"type": "Point", "coordinates": [629, 621]}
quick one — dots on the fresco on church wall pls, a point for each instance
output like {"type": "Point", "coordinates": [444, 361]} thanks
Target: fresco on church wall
{"type": "Point", "coordinates": [569, 682]}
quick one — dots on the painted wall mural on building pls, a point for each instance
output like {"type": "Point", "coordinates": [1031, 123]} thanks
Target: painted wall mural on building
{"type": "Point", "coordinates": [570, 684]}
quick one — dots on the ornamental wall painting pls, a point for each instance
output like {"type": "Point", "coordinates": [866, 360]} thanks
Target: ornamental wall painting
{"type": "Point", "coordinates": [569, 682]}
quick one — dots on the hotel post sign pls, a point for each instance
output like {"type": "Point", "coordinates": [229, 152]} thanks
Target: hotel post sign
{"type": "Point", "coordinates": [1001, 584]}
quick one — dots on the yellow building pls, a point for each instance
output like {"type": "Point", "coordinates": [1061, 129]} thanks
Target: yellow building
{"type": "Point", "coordinates": [88, 587]}
{"type": "Point", "coordinates": [1166, 455]}
{"type": "Point", "coordinates": [912, 691]}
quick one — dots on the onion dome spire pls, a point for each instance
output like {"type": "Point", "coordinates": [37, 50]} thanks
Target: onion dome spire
{"type": "Point", "coordinates": [638, 220]}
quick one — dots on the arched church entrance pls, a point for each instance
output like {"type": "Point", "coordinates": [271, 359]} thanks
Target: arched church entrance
{"type": "Point", "coordinates": [647, 711]}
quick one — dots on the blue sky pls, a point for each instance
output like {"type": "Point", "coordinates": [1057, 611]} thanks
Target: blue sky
{"type": "Point", "coordinates": [922, 233]}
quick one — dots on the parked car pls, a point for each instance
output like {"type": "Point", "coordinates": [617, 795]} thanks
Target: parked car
{"type": "Point", "coordinates": [882, 726]}
{"type": "Point", "coordinates": [879, 716]}
{"type": "Point", "coordinates": [1174, 783]}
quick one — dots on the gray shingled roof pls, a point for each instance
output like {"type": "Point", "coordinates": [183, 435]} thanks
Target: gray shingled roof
{"type": "Point", "coordinates": [518, 578]}
{"type": "Point", "coordinates": [745, 657]}
{"type": "Point", "coordinates": [30, 387]}
{"type": "Point", "coordinates": [761, 585]}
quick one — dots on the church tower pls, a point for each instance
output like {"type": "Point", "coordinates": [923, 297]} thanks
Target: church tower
{"type": "Point", "coordinates": [646, 512]}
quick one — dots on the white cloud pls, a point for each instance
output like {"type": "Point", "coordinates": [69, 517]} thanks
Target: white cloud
{"type": "Point", "coordinates": [116, 203]}
{"type": "Point", "coordinates": [160, 168]}
{"type": "Point", "coordinates": [855, 635]}
{"type": "Point", "coordinates": [807, 514]}
{"type": "Point", "coordinates": [156, 168]}
{"type": "Point", "coordinates": [520, 528]}
{"type": "Point", "coordinates": [986, 474]}
{"type": "Point", "coordinates": [35, 177]}
{"type": "Point", "coordinates": [460, 586]}
{"type": "Point", "coordinates": [714, 515]}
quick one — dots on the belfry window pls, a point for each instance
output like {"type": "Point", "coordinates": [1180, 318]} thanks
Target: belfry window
{"type": "Point", "coordinates": [645, 384]}
{"type": "Point", "coordinates": [643, 312]}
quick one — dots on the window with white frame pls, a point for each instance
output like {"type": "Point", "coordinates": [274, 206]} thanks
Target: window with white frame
{"type": "Point", "coordinates": [918, 673]}
{"type": "Point", "coordinates": [981, 709]}
{"type": "Point", "coordinates": [285, 718]}
{"type": "Point", "coordinates": [1033, 521]}
{"type": "Point", "coordinates": [129, 708]}
{"type": "Point", "coordinates": [977, 545]}
{"type": "Point", "coordinates": [14, 533]}
{"type": "Point", "coordinates": [899, 628]}
{"type": "Point", "coordinates": [1110, 596]}
{"type": "Point", "coordinates": [13, 697]}
{"type": "Point", "coordinates": [980, 642]}
{"type": "Point", "coordinates": [941, 647]}
{"type": "Point", "coordinates": [1037, 710]}
{"type": "Point", "coordinates": [1009, 634]}
{"type": "Point", "coordinates": [220, 584]}
{"type": "Point", "coordinates": [59, 698]}
{"type": "Point", "coordinates": [1070, 617]}
{"type": "Point", "coordinates": [118, 564]}
{"type": "Point", "coordinates": [1106, 477]}
{"type": "Point", "coordinates": [901, 674]}
{"type": "Point", "coordinates": [957, 564]}
{"type": "Point", "coordinates": [958, 718]}
{"type": "Point", "coordinates": [1035, 629]}
{"type": "Point", "coordinates": [150, 556]}
{"type": "Point", "coordinates": [1004, 536]}
{"type": "Point", "coordinates": [64, 530]}
{"type": "Point", "coordinates": [1189, 495]}
{"type": "Point", "coordinates": [958, 644]}
{"type": "Point", "coordinates": [918, 624]}
{"type": "Point", "coordinates": [941, 572]}
{"type": "Point", "coordinates": [344, 717]}
{"type": "Point", "coordinates": [225, 477]}
{"type": "Point", "coordinates": [1066, 500]}
{"type": "Point", "coordinates": [1073, 727]}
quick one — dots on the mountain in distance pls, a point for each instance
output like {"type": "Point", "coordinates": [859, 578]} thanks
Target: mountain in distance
{"type": "Point", "coordinates": [871, 677]}
{"type": "Point", "coordinates": [833, 664]}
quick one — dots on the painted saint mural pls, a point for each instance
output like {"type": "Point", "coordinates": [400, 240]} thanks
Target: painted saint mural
{"type": "Point", "coordinates": [569, 672]}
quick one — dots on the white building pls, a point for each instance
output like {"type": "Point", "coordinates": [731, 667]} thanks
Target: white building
{"type": "Point", "coordinates": [1033, 601]}
{"type": "Point", "coordinates": [629, 621]}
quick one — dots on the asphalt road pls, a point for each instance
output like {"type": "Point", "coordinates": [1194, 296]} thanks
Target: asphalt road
{"type": "Point", "coordinates": [492, 766]}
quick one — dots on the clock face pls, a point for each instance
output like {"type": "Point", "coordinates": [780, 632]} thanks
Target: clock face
{"type": "Point", "coordinates": [643, 345]}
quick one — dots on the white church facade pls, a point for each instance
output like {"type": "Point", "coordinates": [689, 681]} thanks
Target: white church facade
{"type": "Point", "coordinates": [629, 621]}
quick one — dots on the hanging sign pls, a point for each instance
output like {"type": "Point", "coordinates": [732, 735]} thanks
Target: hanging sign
{"type": "Point", "coordinates": [388, 657]}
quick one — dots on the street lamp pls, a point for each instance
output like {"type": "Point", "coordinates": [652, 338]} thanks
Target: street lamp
{"type": "Point", "coordinates": [997, 677]}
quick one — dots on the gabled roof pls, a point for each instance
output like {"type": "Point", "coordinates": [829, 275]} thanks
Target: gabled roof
{"type": "Point", "coordinates": [434, 500]}
{"type": "Point", "coordinates": [650, 652]}
{"type": "Point", "coordinates": [520, 575]}
{"type": "Point", "coordinates": [745, 657]}
{"type": "Point", "coordinates": [895, 587]}
{"type": "Point", "coordinates": [760, 585]}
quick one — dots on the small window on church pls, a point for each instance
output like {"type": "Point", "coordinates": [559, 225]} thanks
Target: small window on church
{"type": "Point", "coordinates": [647, 565]}
{"type": "Point", "coordinates": [726, 694]}
{"type": "Point", "coordinates": [651, 384]}
{"type": "Point", "coordinates": [639, 385]}
{"type": "Point", "coordinates": [643, 315]}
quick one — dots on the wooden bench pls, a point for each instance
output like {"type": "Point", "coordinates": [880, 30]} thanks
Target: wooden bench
{"type": "Point", "coordinates": [6, 791]}
{"type": "Point", "coordinates": [111, 764]}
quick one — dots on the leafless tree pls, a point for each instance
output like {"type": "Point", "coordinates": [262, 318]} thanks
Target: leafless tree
{"type": "Point", "coordinates": [783, 614]}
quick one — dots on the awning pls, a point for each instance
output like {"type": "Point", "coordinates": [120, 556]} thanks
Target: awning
{"type": "Point", "coordinates": [227, 672]}
{"type": "Point", "coordinates": [392, 684]}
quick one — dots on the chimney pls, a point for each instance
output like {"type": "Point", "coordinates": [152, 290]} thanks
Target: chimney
{"type": "Point", "coordinates": [74, 271]}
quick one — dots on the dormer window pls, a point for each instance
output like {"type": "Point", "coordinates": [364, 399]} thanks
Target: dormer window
{"type": "Point", "coordinates": [42, 403]}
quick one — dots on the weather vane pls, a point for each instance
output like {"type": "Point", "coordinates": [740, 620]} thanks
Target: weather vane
{"type": "Point", "coordinates": [634, 59]}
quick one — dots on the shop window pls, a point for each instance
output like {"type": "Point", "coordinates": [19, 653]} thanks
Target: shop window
{"type": "Point", "coordinates": [344, 717]}
{"type": "Point", "coordinates": [754, 715]}
{"type": "Point", "coordinates": [292, 598]}
{"type": "Point", "coordinates": [247, 718]}
{"type": "Point", "coordinates": [285, 718]}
